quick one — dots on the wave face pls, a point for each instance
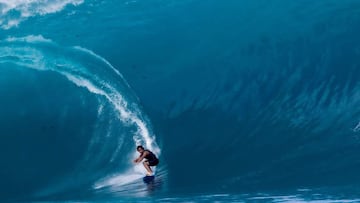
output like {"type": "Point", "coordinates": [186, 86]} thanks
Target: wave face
{"type": "Point", "coordinates": [241, 95]}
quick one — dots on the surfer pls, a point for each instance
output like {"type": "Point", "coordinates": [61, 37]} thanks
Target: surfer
{"type": "Point", "coordinates": [151, 159]}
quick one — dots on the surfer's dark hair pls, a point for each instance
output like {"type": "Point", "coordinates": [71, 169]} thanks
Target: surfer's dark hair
{"type": "Point", "coordinates": [139, 147]}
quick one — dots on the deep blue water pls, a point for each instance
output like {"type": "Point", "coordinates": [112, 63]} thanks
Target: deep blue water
{"type": "Point", "coordinates": [242, 100]}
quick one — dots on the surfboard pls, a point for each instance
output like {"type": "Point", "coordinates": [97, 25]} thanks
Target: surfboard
{"type": "Point", "coordinates": [148, 179]}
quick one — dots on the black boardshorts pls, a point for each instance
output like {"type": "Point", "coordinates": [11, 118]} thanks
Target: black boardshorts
{"type": "Point", "coordinates": [153, 162]}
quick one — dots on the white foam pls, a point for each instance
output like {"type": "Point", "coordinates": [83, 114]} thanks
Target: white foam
{"type": "Point", "coordinates": [28, 8]}
{"type": "Point", "coordinates": [118, 180]}
{"type": "Point", "coordinates": [100, 58]}
{"type": "Point", "coordinates": [116, 99]}
{"type": "Point", "coordinates": [121, 179]}
{"type": "Point", "coordinates": [357, 128]}
{"type": "Point", "coordinates": [29, 39]}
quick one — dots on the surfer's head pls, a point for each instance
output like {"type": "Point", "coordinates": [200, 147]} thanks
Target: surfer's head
{"type": "Point", "coordinates": [140, 148]}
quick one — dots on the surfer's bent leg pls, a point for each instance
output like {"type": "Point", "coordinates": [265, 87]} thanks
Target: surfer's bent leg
{"type": "Point", "coordinates": [147, 167]}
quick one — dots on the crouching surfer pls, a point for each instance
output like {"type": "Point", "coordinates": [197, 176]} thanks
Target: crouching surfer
{"type": "Point", "coordinates": [151, 159]}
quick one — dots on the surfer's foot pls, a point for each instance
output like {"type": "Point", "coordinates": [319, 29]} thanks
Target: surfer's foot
{"type": "Point", "coordinates": [149, 174]}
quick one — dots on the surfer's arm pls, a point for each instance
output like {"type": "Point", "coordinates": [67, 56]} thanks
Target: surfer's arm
{"type": "Point", "coordinates": [140, 158]}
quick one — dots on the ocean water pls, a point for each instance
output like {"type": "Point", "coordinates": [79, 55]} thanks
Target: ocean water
{"type": "Point", "coordinates": [242, 100]}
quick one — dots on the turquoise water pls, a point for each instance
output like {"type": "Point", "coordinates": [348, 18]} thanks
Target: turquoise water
{"type": "Point", "coordinates": [243, 101]}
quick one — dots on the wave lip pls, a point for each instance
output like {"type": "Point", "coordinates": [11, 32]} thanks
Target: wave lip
{"type": "Point", "coordinates": [13, 12]}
